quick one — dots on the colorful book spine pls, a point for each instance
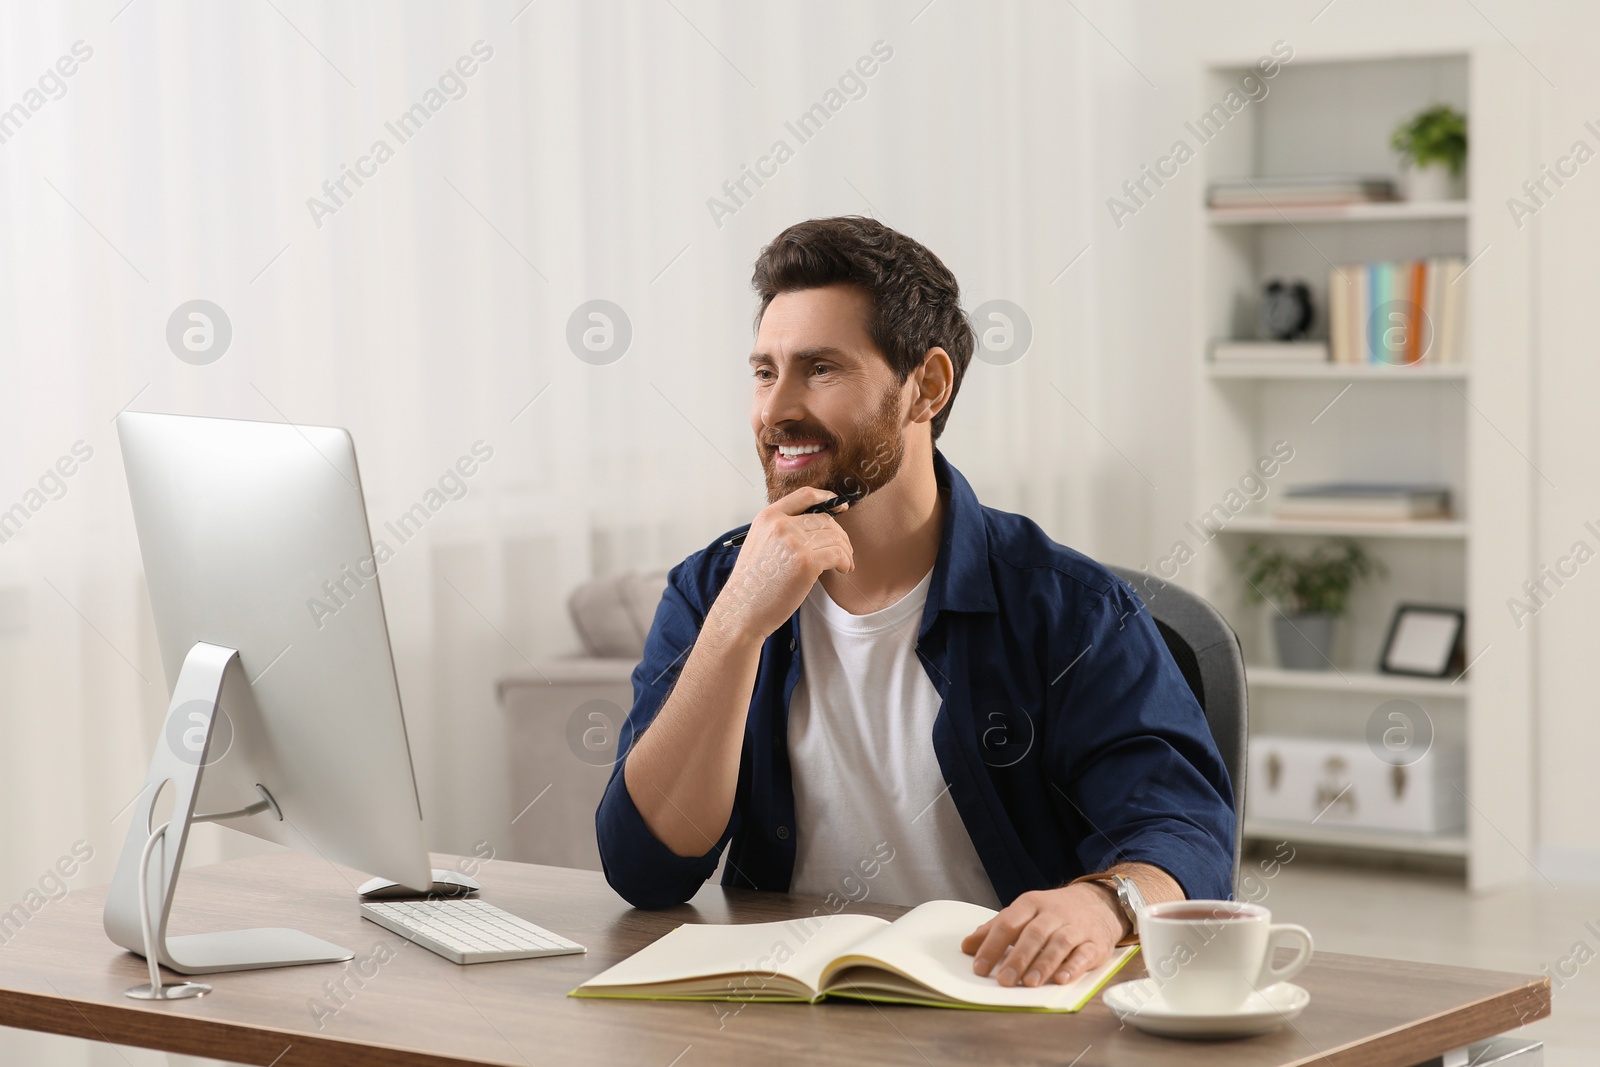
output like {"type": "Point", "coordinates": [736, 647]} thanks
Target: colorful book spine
{"type": "Point", "coordinates": [1400, 313]}
{"type": "Point", "coordinates": [1416, 328]}
{"type": "Point", "coordinates": [1338, 315]}
{"type": "Point", "coordinates": [1434, 275]}
{"type": "Point", "coordinates": [1378, 295]}
{"type": "Point", "coordinates": [1452, 301]}
{"type": "Point", "coordinates": [1360, 316]}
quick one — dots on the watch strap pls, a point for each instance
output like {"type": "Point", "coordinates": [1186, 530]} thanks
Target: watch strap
{"type": "Point", "coordinates": [1110, 880]}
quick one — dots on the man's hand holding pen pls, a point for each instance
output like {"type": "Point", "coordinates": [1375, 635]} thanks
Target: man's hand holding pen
{"type": "Point", "coordinates": [788, 545]}
{"type": "Point", "coordinates": [843, 500]}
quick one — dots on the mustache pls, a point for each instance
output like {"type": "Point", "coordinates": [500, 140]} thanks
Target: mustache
{"type": "Point", "coordinates": [805, 434]}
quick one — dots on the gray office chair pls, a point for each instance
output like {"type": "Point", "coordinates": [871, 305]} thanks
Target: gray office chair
{"type": "Point", "coordinates": [1208, 653]}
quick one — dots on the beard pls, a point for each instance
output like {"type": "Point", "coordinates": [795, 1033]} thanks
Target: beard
{"type": "Point", "coordinates": [864, 463]}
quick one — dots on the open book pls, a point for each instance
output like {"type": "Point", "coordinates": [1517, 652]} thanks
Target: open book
{"type": "Point", "coordinates": [916, 959]}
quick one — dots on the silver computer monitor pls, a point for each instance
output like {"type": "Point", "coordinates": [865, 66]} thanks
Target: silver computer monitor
{"type": "Point", "coordinates": [254, 538]}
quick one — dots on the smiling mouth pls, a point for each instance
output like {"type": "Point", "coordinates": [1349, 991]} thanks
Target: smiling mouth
{"type": "Point", "coordinates": [796, 456]}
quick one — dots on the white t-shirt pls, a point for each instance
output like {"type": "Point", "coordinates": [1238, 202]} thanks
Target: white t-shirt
{"type": "Point", "coordinates": [874, 818]}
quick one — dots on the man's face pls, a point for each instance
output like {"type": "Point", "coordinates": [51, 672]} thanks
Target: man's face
{"type": "Point", "coordinates": [828, 410]}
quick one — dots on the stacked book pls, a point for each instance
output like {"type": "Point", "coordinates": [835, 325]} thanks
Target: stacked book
{"type": "Point", "coordinates": [1364, 502]}
{"type": "Point", "coordinates": [1269, 352]}
{"type": "Point", "coordinates": [1301, 191]}
{"type": "Point", "coordinates": [1397, 312]}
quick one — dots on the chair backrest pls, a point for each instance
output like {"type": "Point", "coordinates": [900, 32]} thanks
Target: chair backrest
{"type": "Point", "coordinates": [1208, 653]}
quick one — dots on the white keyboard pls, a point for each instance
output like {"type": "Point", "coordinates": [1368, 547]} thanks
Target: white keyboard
{"type": "Point", "coordinates": [467, 931]}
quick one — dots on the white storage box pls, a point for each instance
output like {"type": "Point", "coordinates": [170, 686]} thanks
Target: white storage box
{"type": "Point", "coordinates": [1344, 783]}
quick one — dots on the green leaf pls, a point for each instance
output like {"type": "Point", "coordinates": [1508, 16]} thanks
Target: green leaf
{"type": "Point", "coordinates": [1435, 135]}
{"type": "Point", "coordinates": [1319, 581]}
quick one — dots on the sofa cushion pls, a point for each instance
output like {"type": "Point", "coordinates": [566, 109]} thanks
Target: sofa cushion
{"type": "Point", "coordinates": [612, 615]}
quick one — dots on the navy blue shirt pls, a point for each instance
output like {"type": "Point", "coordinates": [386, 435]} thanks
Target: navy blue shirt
{"type": "Point", "coordinates": [1068, 736]}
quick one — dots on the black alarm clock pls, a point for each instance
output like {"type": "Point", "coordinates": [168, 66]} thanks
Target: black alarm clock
{"type": "Point", "coordinates": [1285, 310]}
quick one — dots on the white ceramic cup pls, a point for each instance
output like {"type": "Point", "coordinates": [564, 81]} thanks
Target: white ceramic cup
{"type": "Point", "coordinates": [1208, 956]}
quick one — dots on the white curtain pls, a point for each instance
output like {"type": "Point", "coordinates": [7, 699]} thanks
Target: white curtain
{"type": "Point", "coordinates": [427, 307]}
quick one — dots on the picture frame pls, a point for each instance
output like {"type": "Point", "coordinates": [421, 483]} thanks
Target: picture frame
{"type": "Point", "coordinates": [1424, 641]}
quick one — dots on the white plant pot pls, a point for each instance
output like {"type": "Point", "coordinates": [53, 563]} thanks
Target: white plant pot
{"type": "Point", "coordinates": [1430, 183]}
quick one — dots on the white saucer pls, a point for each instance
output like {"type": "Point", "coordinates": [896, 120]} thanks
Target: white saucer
{"type": "Point", "coordinates": [1140, 1002]}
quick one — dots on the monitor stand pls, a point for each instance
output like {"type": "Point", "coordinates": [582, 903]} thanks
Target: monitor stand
{"type": "Point", "coordinates": [191, 716]}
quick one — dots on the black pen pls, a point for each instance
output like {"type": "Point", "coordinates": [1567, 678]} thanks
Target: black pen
{"type": "Point", "coordinates": [826, 505]}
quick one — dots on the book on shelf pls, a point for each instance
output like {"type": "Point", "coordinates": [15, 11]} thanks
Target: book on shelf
{"type": "Point", "coordinates": [1397, 312]}
{"type": "Point", "coordinates": [1298, 191]}
{"type": "Point", "coordinates": [1269, 352]}
{"type": "Point", "coordinates": [916, 959]}
{"type": "Point", "coordinates": [1364, 502]}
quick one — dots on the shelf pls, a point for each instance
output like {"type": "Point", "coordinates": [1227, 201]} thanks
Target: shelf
{"type": "Point", "coordinates": [1328, 118]}
{"type": "Point", "coordinates": [1392, 211]}
{"type": "Point", "coordinates": [1339, 372]}
{"type": "Point", "coordinates": [1358, 837]}
{"type": "Point", "coordinates": [1413, 529]}
{"type": "Point", "coordinates": [1355, 682]}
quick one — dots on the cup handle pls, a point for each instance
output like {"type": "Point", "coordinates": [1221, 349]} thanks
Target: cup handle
{"type": "Point", "coordinates": [1283, 933]}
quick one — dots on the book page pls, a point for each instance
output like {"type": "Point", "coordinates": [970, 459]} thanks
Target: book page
{"type": "Point", "coordinates": [798, 949]}
{"type": "Point", "coordinates": [925, 944]}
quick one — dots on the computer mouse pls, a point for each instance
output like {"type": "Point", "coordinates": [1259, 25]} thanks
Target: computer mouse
{"type": "Point", "coordinates": [445, 884]}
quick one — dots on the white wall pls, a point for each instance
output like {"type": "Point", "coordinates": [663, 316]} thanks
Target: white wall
{"type": "Point", "coordinates": [1567, 382]}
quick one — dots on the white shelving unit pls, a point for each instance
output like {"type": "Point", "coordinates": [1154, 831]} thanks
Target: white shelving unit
{"type": "Point", "coordinates": [1418, 529]}
{"type": "Point", "coordinates": [1454, 845]}
{"type": "Point", "coordinates": [1337, 372]}
{"type": "Point", "coordinates": [1353, 681]}
{"type": "Point", "coordinates": [1426, 423]}
{"type": "Point", "coordinates": [1398, 211]}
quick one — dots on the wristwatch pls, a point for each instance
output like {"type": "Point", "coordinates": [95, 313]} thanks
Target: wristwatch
{"type": "Point", "coordinates": [1129, 899]}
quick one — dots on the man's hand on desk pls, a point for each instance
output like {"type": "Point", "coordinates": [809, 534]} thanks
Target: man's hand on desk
{"type": "Point", "coordinates": [1061, 934]}
{"type": "Point", "coordinates": [1054, 934]}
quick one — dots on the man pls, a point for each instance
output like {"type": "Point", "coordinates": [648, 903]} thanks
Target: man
{"type": "Point", "coordinates": [912, 697]}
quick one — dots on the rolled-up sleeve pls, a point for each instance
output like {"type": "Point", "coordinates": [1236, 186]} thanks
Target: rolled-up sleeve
{"type": "Point", "coordinates": [644, 871]}
{"type": "Point", "coordinates": [1131, 750]}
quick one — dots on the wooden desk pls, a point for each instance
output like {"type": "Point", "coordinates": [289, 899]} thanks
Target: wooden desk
{"type": "Point", "coordinates": [62, 975]}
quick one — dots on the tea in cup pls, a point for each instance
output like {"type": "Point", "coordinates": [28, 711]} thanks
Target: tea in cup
{"type": "Point", "coordinates": [1208, 956]}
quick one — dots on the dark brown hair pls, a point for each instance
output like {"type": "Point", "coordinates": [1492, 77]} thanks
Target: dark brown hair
{"type": "Point", "coordinates": [916, 303]}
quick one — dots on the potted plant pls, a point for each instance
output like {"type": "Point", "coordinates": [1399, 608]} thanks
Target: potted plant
{"type": "Point", "coordinates": [1433, 153]}
{"type": "Point", "coordinates": [1310, 592]}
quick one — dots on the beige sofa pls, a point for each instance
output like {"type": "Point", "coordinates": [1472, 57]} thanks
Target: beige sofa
{"type": "Point", "coordinates": [562, 719]}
